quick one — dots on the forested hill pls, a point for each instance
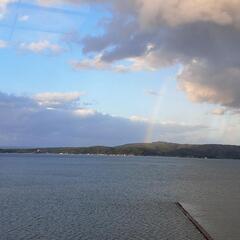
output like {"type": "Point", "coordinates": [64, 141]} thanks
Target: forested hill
{"type": "Point", "coordinates": [144, 149]}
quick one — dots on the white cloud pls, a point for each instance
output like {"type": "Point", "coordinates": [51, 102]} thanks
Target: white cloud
{"type": "Point", "coordinates": [219, 111]}
{"type": "Point", "coordinates": [97, 63]}
{"type": "Point", "coordinates": [84, 112]}
{"type": "Point", "coordinates": [136, 118]}
{"type": "Point", "coordinates": [174, 12]}
{"type": "Point", "coordinates": [23, 18]}
{"type": "Point", "coordinates": [3, 44]}
{"type": "Point", "coordinates": [41, 46]}
{"type": "Point", "coordinates": [204, 82]}
{"type": "Point", "coordinates": [93, 64]}
{"type": "Point", "coordinates": [56, 99]}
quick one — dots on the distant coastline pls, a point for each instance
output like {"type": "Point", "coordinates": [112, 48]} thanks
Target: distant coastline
{"type": "Point", "coordinates": [143, 149]}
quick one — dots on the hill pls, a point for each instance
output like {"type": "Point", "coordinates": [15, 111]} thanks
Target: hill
{"type": "Point", "coordinates": [145, 149]}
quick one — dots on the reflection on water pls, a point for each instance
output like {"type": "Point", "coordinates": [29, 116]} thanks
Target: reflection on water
{"type": "Point", "coordinates": [210, 188]}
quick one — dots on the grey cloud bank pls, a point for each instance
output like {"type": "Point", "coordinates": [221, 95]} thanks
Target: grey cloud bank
{"type": "Point", "coordinates": [24, 122]}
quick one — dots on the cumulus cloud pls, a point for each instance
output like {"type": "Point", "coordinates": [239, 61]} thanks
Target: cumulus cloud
{"type": "Point", "coordinates": [41, 46]}
{"type": "Point", "coordinates": [136, 118]}
{"type": "Point", "coordinates": [23, 18]}
{"type": "Point", "coordinates": [200, 35]}
{"type": "Point", "coordinates": [173, 12]}
{"type": "Point", "coordinates": [84, 112]}
{"type": "Point", "coordinates": [3, 44]}
{"type": "Point", "coordinates": [97, 63]}
{"type": "Point", "coordinates": [56, 99]}
{"type": "Point", "coordinates": [207, 83]}
{"type": "Point", "coordinates": [93, 64]}
{"type": "Point", "coordinates": [26, 123]}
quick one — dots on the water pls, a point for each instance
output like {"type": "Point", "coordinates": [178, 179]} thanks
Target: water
{"type": "Point", "coordinates": [43, 188]}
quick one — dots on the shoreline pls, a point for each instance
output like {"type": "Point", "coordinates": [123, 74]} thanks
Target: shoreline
{"type": "Point", "coordinates": [154, 149]}
{"type": "Point", "coordinates": [114, 155]}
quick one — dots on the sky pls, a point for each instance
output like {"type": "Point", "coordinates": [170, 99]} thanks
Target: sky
{"type": "Point", "coordinates": [109, 72]}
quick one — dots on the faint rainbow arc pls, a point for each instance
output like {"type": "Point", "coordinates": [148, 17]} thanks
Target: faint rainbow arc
{"type": "Point", "coordinates": [153, 118]}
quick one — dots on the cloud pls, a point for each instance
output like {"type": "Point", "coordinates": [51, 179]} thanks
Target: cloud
{"type": "Point", "coordinates": [23, 18]}
{"type": "Point", "coordinates": [204, 82]}
{"type": "Point", "coordinates": [3, 44]}
{"type": "Point", "coordinates": [56, 99]}
{"type": "Point", "coordinates": [41, 46]}
{"type": "Point", "coordinates": [24, 122]}
{"type": "Point", "coordinates": [97, 63]}
{"type": "Point", "coordinates": [3, 7]}
{"type": "Point", "coordinates": [53, 2]}
{"type": "Point", "coordinates": [200, 35]}
{"type": "Point", "coordinates": [136, 118]}
{"type": "Point", "coordinates": [93, 64]}
{"type": "Point", "coordinates": [148, 61]}
{"type": "Point", "coordinates": [219, 111]}
{"type": "Point", "coordinates": [172, 12]}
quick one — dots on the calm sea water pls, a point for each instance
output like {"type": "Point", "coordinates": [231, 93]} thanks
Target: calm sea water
{"type": "Point", "coordinates": [210, 189]}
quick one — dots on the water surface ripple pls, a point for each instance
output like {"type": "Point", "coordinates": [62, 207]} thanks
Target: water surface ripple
{"type": "Point", "coordinates": [42, 194]}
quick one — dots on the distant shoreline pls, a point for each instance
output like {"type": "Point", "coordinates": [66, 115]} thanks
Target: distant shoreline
{"type": "Point", "coordinates": [163, 149]}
